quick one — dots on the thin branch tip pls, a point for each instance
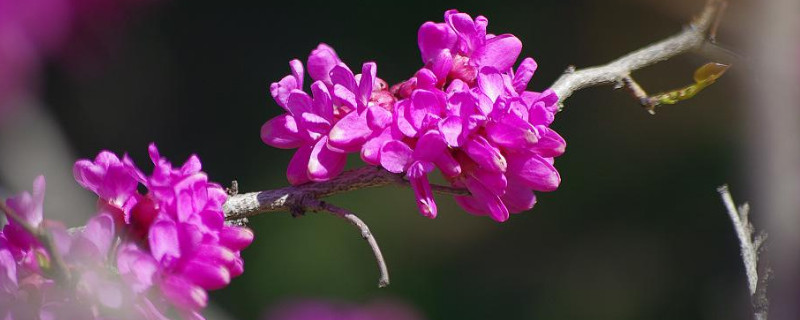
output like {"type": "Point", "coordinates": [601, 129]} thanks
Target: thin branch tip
{"type": "Point", "coordinates": [366, 234]}
{"type": "Point", "coordinates": [700, 30]}
{"type": "Point", "coordinates": [752, 247]}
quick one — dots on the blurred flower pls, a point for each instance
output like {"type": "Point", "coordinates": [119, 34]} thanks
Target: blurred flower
{"type": "Point", "coordinates": [150, 256]}
{"type": "Point", "coordinates": [332, 310]}
{"type": "Point", "coordinates": [178, 227]}
{"type": "Point", "coordinates": [466, 112]}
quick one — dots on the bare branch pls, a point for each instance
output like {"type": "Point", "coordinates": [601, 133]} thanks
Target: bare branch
{"type": "Point", "coordinates": [292, 198]}
{"type": "Point", "coordinates": [749, 246]}
{"type": "Point", "coordinates": [316, 205]}
{"type": "Point", "coordinates": [638, 92]}
{"type": "Point", "coordinates": [614, 72]}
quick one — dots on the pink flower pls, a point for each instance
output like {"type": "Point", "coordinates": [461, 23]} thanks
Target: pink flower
{"type": "Point", "coordinates": [460, 46]}
{"type": "Point", "coordinates": [177, 245]}
{"type": "Point", "coordinates": [499, 145]}
{"type": "Point", "coordinates": [142, 256]}
{"type": "Point", "coordinates": [467, 112]}
{"type": "Point", "coordinates": [319, 125]}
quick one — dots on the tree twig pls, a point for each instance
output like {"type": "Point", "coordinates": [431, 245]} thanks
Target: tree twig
{"type": "Point", "coordinates": [245, 205]}
{"type": "Point", "coordinates": [750, 248]}
{"type": "Point", "coordinates": [317, 205]}
{"type": "Point", "coordinates": [638, 92]}
{"type": "Point", "coordinates": [615, 72]}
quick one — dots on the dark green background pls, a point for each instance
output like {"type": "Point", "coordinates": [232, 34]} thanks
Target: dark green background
{"type": "Point", "coordinates": [636, 230]}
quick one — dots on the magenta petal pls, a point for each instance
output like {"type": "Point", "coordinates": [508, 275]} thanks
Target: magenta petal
{"type": "Point", "coordinates": [371, 151]}
{"type": "Point", "coordinates": [534, 172]}
{"type": "Point", "coordinates": [297, 71]}
{"type": "Point", "coordinates": [432, 38]}
{"type": "Point", "coordinates": [8, 271]}
{"type": "Point", "coordinates": [280, 90]}
{"type": "Point", "coordinates": [426, 79]}
{"type": "Point", "coordinates": [472, 205]}
{"type": "Point", "coordinates": [297, 171]}
{"type": "Point", "coordinates": [378, 118]}
{"type": "Point", "coordinates": [322, 104]}
{"type": "Point", "coordinates": [524, 74]}
{"type": "Point", "coordinates": [441, 66]}
{"type": "Point", "coordinates": [480, 27]}
{"type": "Point", "coordinates": [518, 198]}
{"type": "Point", "coordinates": [236, 267]}
{"type": "Point", "coordinates": [499, 52]}
{"type": "Point", "coordinates": [100, 232]}
{"type": "Point", "coordinates": [539, 115]}
{"type": "Point", "coordinates": [518, 108]}
{"type": "Point", "coordinates": [236, 238]}
{"type": "Point", "coordinates": [30, 207]}
{"type": "Point", "coordinates": [136, 267]}
{"type": "Point", "coordinates": [485, 155]}
{"type": "Point", "coordinates": [464, 26]}
{"type": "Point", "coordinates": [497, 210]}
{"type": "Point", "coordinates": [448, 165]}
{"type": "Point", "coordinates": [451, 129]}
{"type": "Point", "coordinates": [206, 275]}
{"type": "Point", "coordinates": [183, 294]}
{"type": "Point", "coordinates": [457, 86]}
{"type": "Point", "coordinates": [342, 75]}
{"type": "Point", "coordinates": [366, 84]}
{"type": "Point", "coordinates": [321, 61]}
{"type": "Point", "coordinates": [350, 133]}
{"type": "Point", "coordinates": [491, 83]}
{"type": "Point", "coordinates": [324, 163]}
{"type": "Point", "coordinates": [550, 99]}
{"type": "Point", "coordinates": [430, 146]}
{"type": "Point", "coordinates": [298, 102]}
{"type": "Point", "coordinates": [163, 240]}
{"type": "Point", "coordinates": [314, 124]}
{"type": "Point", "coordinates": [106, 176]}
{"type": "Point", "coordinates": [344, 96]}
{"type": "Point", "coordinates": [281, 132]}
{"type": "Point", "coordinates": [495, 182]}
{"type": "Point", "coordinates": [423, 103]}
{"type": "Point", "coordinates": [395, 156]}
{"type": "Point", "coordinates": [551, 144]}
{"type": "Point", "coordinates": [402, 121]}
{"type": "Point", "coordinates": [511, 132]}
{"type": "Point", "coordinates": [422, 190]}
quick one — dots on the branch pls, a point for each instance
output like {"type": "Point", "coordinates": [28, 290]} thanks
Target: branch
{"type": "Point", "coordinates": [58, 268]}
{"type": "Point", "coordinates": [316, 205]}
{"type": "Point", "coordinates": [750, 247]}
{"type": "Point", "coordinates": [616, 71]}
{"type": "Point", "coordinates": [298, 199]}
{"type": "Point", "coordinates": [240, 206]}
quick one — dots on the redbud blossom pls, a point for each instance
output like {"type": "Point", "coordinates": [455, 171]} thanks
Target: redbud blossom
{"type": "Point", "coordinates": [467, 112]}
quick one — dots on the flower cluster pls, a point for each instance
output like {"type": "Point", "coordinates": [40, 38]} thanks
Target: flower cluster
{"type": "Point", "coordinates": [466, 112]}
{"type": "Point", "coordinates": [150, 256]}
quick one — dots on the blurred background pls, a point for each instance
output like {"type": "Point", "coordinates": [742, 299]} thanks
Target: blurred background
{"type": "Point", "coordinates": [636, 230]}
